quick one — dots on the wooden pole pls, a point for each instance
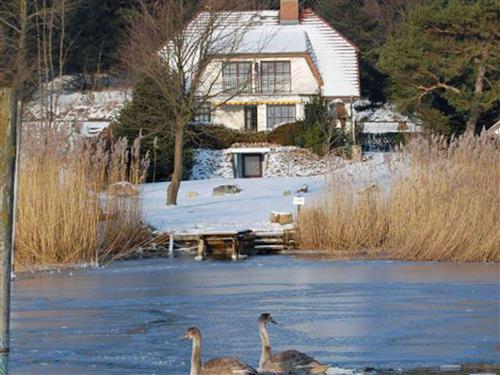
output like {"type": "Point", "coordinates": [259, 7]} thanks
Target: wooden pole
{"type": "Point", "coordinates": [8, 153]}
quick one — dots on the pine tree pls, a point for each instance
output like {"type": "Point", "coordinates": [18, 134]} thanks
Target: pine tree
{"type": "Point", "coordinates": [443, 63]}
{"type": "Point", "coordinates": [148, 115]}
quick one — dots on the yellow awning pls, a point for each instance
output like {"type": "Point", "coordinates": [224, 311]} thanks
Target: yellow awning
{"type": "Point", "coordinates": [259, 102]}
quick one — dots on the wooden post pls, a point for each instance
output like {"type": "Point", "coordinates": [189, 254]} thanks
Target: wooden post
{"type": "Point", "coordinates": [171, 245]}
{"type": "Point", "coordinates": [234, 248]}
{"type": "Point", "coordinates": [201, 249]}
{"type": "Point", "coordinates": [7, 173]}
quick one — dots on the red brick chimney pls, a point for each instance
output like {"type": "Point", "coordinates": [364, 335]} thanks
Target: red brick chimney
{"type": "Point", "coordinates": [289, 12]}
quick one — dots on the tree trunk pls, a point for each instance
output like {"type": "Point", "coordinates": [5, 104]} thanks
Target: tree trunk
{"type": "Point", "coordinates": [478, 89]}
{"type": "Point", "coordinates": [8, 122]}
{"type": "Point", "coordinates": [173, 187]}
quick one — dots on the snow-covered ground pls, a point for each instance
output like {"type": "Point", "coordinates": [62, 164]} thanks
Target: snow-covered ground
{"type": "Point", "coordinates": [199, 210]}
{"type": "Point", "coordinates": [249, 209]}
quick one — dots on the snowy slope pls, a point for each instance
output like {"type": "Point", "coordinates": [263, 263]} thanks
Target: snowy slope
{"type": "Point", "coordinates": [248, 210]}
{"type": "Point", "coordinates": [251, 208]}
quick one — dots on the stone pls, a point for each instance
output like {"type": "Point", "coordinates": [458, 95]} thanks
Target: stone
{"type": "Point", "coordinates": [287, 193]}
{"type": "Point", "coordinates": [192, 194]}
{"type": "Point", "coordinates": [226, 189]}
{"type": "Point", "coordinates": [282, 218]}
{"type": "Point", "coordinates": [303, 189]}
{"type": "Point", "coordinates": [123, 189]}
{"type": "Point", "coordinates": [373, 188]}
{"type": "Point", "coordinates": [357, 154]}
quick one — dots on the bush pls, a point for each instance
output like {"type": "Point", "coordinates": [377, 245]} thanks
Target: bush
{"type": "Point", "coordinates": [286, 135]}
{"type": "Point", "coordinates": [318, 131]}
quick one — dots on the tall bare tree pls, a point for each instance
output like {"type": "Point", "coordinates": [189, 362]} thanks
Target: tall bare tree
{"type": "Point", "coordinates": [34, 47]}
{"type": "Point", "coordinates": [182, 48]}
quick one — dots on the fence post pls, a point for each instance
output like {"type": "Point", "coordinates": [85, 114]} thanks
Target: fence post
{"type": "Point", "coordinates": [8, 114]}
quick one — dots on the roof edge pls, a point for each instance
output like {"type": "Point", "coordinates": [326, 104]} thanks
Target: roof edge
{"type": "Point", "coordinates": [310, 10]}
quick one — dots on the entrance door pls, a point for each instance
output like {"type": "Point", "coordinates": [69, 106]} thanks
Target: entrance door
{"type": "Point", "coordinates": [252, 165]}
{"type": "Point", "coordinates": [251, 118]}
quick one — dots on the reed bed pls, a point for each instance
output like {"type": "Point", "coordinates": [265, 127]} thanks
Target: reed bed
{"type": "Point", "coordinates": [65, 215]}
{"type": "Point", "coordinates": [444, 205]}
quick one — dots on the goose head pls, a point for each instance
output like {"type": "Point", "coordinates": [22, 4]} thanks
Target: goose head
{"type": "Point", "coordinates": [266, 318]}
{"type": "Point", "coordinates": [192, 333]}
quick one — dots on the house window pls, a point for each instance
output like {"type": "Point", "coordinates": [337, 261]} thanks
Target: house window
{"type": "Point", "coordinates": [204, 114]}
{"type": "Point", "coordinates": [237, 77]}
{"type": "Point", "coordinates": [275, 77]}
{"type": "Point", "coordinates": [280, 114]}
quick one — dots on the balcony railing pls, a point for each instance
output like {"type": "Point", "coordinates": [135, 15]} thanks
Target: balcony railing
{"type": "Point", "coordinates": [233, 85]}
{"type": "Point", "coordinates": [279, 84]}
{"type": "Point", "coordinates": [267, 84]}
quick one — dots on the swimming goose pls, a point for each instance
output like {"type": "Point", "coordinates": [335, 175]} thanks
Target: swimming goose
{"type": "Point", "coordinates": [216, 366]}
{"type": "Point", "coordinates": [288, 362]}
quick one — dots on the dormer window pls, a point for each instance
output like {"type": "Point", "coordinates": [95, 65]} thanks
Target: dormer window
{"type": "Point", "coordinates": [275, 77]}
{"type": "Point", "coordinates": [237, 77]}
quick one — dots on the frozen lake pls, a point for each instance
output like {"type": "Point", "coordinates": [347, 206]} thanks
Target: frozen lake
{"type": "Point", "coordinates": [127, 319]}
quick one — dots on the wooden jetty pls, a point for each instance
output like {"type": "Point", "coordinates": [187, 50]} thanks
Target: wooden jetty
{"type": "Point", "coordinates": [235, 244]}
{"type": "Point", "coordinates": [238, 243]}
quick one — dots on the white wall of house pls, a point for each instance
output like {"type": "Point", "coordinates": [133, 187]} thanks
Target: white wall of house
{"type": "Point", "coordinates": [303, 84]}
{"type": "Point", "coordinates": [231, 116]}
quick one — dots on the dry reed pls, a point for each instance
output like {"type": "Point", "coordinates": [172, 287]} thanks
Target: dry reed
{"type": "Point", "coordinates": [444, 206]}
{"type": "Point", "coordinates": [65, 215]}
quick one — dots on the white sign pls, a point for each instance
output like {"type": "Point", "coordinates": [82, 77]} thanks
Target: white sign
{"type": "Point", "coordinates": [299, 201]}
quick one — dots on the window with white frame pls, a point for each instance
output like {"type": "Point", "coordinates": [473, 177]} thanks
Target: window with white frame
{"type": "Point", "coordinates": [237, 77]}
{"type": "Point", "coordinates": [280, 114]}
{"type": "Point", "coordinates": [275, 77]}
{"type": "Point", "coordinates": [204, 114]}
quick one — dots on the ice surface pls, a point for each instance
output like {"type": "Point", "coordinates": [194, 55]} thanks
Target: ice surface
{"type": "Point", "coordinates": [127, 319]}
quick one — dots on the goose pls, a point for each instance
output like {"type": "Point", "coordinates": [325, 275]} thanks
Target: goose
{"type": "Point", "coordinates": [216, 366]}
{"type": "Point", "coordinates": [287, 362]}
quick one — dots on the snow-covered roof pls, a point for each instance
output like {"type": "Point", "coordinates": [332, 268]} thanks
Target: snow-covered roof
{"type": "Point", "coordinates": [335, 57]}
{"type": "Point", "coordinates": [273, 39]}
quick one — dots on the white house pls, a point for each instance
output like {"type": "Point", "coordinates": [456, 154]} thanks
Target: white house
{"type": "Point", "coordinates": [283, 58]}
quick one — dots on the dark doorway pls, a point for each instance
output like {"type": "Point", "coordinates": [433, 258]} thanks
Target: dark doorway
{"type": "Point", "coordinates": [251, 118]}
{"type": "Point", "coordinates": [252, 165]}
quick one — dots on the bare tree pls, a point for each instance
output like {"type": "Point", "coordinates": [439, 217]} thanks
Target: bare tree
{"type": "Point", "coordinates": [34, 47]}
{"type": "Point", "coordinates": [182, 49]}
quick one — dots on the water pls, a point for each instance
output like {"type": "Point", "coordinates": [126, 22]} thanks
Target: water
{"type": "Point", "coordinates": [127, 319]}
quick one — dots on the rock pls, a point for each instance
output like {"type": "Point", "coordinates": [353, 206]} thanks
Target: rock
{"type": "Point", "coordinates": [193, 194]}
{"type": "Point", "coordinates": [303, 189]}
{"type": "Point", "coordinates": [357, 153]}
{"type": "Point", "coordinates": [287, 193]}
{"type": "Point", "coordinates": [282, 218]}
{"type": "Point", "coordinates": [122, 189]}
{"type": "Point", "coordinates": [373, 188]}
{"type": "Point", "coordinates": [226, 189]}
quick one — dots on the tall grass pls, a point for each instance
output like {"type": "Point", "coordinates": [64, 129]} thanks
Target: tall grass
{"type": "Point", "coordinates": [65, 215]}
{"type": "Point", "coordinates": [443, 206]}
